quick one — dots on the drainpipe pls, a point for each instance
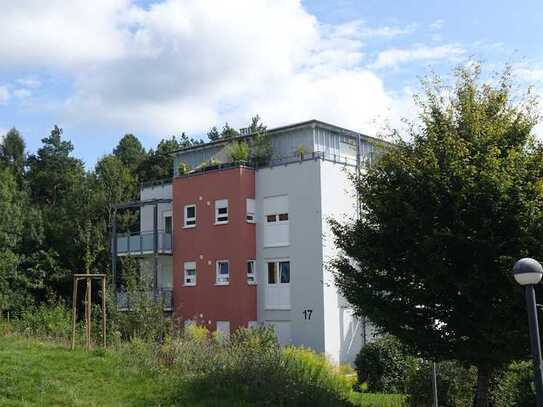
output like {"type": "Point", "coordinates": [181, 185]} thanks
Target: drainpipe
{"type": "Point", "coordinates": [358, 169]}
{"type": "Point", "coordinates": [114, 251]}
{"type": "Point", "coordinates": [155, 251]}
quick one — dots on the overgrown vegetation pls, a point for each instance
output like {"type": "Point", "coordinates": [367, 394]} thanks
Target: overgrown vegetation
{"type": "Point", "coordinates": [385, 365]}
{"type": "Point", "coordinates": [188, 368]}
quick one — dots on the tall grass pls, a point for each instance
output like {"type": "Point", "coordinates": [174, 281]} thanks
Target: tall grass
{"type": "Point", "coordinates": [249, 366]}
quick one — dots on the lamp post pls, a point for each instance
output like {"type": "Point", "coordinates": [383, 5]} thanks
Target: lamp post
{"type": "Point", "coordinates": [527, 273]}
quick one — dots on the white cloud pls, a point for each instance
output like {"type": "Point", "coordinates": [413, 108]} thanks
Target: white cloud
{"type": "Point", "coordinates": [532, 73]}
{"type": "Point", "coordinates": [22, 93]}
{"type": "Point", "coordinates": [30, 83]}
{"type": "Point", "coordinates": [61, 34]}
{"type": "Point", "coordinates": [190, 64]}
{"type": "Point", "coordinates": [4, 95]}
{"type": "Point", "coordinates": [437, 24]}
{"type": "Point", "coordinates": [396, 56]}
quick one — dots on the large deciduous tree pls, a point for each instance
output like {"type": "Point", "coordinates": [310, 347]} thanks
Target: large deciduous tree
{"type": "Point", "coordinates": [444, 216]}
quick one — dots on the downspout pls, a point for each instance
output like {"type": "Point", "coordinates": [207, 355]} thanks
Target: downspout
{"type": "Point", "coordinates": [155, 251]}
{"type": "Point", "coordinates": [114, 252]}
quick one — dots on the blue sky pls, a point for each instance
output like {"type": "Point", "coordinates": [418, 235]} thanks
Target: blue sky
{"type": "Point", "coordinates": [104, 68]}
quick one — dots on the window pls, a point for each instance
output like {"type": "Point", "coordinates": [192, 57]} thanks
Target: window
{"type": "Point", "coordinates": [276, 221]}
{"type": "Point", "coordinates": [168, 225]}
{"type": "Point", "coordinates": [272, 273]}
{"type": "Point", "coordinates": [277, 289]}
{"type": "Point", "coordinates": [190, 273]}
{"type": "Point", "coordinates": [251, 275]}
{"type": "Point", "coordinates": [190, 216]}
{"type": "Point", "coordinates": [284, 272]}
{"type": "Point", "coordinates": [279, 272]}
{"type": "Point", "coordinates": [221, 212]}
{"type": "Point", "coordinates": [223, 272]}
{"type": "Point", "coordinates": [251, 210]}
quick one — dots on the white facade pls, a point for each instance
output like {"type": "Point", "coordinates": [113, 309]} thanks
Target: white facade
{"type": "Point", "coordinates": [308, 310]}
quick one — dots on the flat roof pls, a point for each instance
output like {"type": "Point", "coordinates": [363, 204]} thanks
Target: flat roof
{"type": "Point", "coordinates": [281, 129]}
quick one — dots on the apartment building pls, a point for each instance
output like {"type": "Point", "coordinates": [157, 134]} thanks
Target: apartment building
{"type": "Point", "coordinates": [251, 245]}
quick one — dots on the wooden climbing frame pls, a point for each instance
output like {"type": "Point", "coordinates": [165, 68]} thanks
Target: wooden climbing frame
{"type": "Point", "coordinates": [88, 307]}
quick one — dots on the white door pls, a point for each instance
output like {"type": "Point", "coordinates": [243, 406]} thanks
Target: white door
{"type": "Point", "coordinates": [223, 328]}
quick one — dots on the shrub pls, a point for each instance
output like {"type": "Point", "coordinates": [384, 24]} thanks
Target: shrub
{"type": "Point", "coordinates": [183, 168]}
{"type": "Point", "coordinates": [314, 380]}
{"type": "Point", "coordinates": [513, 386]}
{"type": "Point", "coordinates": [52, 321]}
{"type": "Point", "coordinates": [144, 318]}
{"type": "Point", "coordinates": [238, 151]}
{"type": "Point", "coordinates": [385, 365]}
{"type": "Point", "coordinates": [455, 385]}
{"type": "Point", "coordinates": [248, 367]}
{"type": "Point", "coordinates": [262, 150]}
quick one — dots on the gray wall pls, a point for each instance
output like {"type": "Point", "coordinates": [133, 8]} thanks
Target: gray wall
{"type": "Point", "coordinates": [301, 182]}
{"type": "Point", "coordinates": [155, 192]}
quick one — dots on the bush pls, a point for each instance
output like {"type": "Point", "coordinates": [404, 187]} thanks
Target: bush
{"type": "Point", "coordinates": [455, 385]}
{"type": "Point", "coordinates": [145, 318]}
{"type": "Point", "coordinates": [52, 321]}
{"type": "Point", "coordinates": [385, 365]}
{"type": "Point", "coordinates": [248, 367]}
{"type": "Point", "coordinates": [513, 386]}
{"type": "Point", "coordinates": [238, 151]}
{"type": "Point", "coordinates": [313, 380]}
{"type": "Point", "coordinates": [183, 168]}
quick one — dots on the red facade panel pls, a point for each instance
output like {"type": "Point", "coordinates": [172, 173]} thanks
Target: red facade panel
{"type": "Point", "coordinates": [206, 243]}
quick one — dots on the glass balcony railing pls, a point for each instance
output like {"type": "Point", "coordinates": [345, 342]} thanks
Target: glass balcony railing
{"type": "Point", "coordinates": [127, 302]}
{"type": "Point", "coordinates": [142, 243]}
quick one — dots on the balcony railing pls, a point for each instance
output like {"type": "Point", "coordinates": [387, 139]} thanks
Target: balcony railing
{"type": "Point", "coordinates": [142, 243]}
{"type": "Point", "coordinates": [127, 302]}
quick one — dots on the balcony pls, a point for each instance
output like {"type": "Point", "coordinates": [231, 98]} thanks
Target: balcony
{"type": "Point", "coordinates": [125, 302]}
{"type": "Point", "coordinates": [139, 244]}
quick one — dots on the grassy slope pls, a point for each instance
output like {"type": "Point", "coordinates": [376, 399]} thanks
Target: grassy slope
{"type": "Point", "coordinates": [39, 373]}
{"type": "Point", "coordinates": [36, 373]}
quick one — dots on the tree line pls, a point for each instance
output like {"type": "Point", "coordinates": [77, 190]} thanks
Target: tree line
{"type": "Point", "coordinates": [55, 216]}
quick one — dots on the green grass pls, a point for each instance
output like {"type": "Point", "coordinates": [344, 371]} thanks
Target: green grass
{"type": "Point", "coordinates": [378, 400]}
{"type": "Point", "coordinates": [41, 373]}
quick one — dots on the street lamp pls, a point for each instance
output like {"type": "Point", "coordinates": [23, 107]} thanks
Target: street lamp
{"type": "Point", "coordinates": [527, 273]}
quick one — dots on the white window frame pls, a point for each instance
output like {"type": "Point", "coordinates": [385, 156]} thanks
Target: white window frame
{"type": "Point", "coordinates": [250, 205]}
{"type": "Point", "coordinates": [251, 277]}
{"type": "Point", "coordinates": [277, 272]}
{"type": "Point", "coordinates": [278, 287]}
{"type": "Point", "coordinates": [187, 222]}
{"type": "Point", "coordinates": [217, 274]}
{"type": "Point", "coordinates": [189, 266]}
{"type": "Point", "coordinates": [221, 204]}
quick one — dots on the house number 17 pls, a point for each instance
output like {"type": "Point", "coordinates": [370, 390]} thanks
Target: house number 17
{"type": "Point", "coordinates": [307, 313]}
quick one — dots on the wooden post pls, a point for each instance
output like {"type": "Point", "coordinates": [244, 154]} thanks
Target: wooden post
{"type": "Point", "coordinates": [74, 311]}
{"type": "Point", "coordinates": [88, 308]}
{"type": "Point", "coordinates": [88, 312]}
{"type": "Point", "coordinates": [104, 311]}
